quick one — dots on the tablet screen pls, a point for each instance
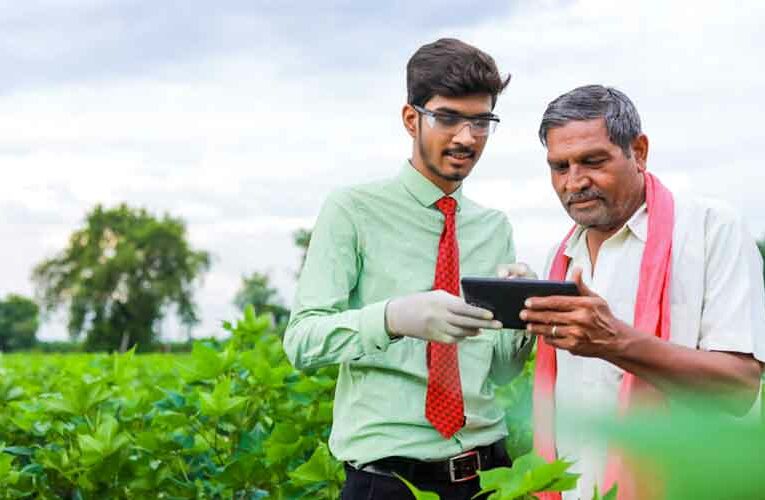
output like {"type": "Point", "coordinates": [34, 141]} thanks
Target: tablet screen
{"type": "Point", "coordinates": [505, 297]}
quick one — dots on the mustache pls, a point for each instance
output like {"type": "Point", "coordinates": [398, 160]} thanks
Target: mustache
{"type": "Point", "coordinates": [459, 150]}
{"type": "Point", "coordinates": [587, 195]}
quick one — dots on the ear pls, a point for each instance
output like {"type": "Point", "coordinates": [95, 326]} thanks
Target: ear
{"type": "Point", "coordinates": [640, 150]}
{"type": "Point", "coordinates": [409, 117]}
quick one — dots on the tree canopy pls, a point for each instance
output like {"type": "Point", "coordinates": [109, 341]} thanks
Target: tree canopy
{"type": "Point", "coordinates": [256, 290]}
{"type": "Point", "coordinates": [302, 238]}
{"type": "Point", "coordinates": [19, 320]}
{"type": "Point", "coordinates": [120, 274]}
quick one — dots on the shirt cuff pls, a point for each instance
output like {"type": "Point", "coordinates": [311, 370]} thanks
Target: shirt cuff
{"type": "Point", "coordinates": [374, 337]}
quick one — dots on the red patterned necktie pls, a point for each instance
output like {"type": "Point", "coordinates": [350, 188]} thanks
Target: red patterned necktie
{"type": "Point", "coordinates": [443, 403]}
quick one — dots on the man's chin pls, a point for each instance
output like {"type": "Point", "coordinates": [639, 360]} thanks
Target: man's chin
{"type": "Point", "coordinates": [450, 173]}
{"type": "Point", "coordinates": [587, 218]}
{"type": "Point", "coordinates": [457, 176]}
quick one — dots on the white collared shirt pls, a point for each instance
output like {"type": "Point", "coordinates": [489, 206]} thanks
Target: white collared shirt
{"type": "Point", "coordinates": [717, 301]}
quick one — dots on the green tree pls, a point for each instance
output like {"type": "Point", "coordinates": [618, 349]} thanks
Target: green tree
{"type": "Point", "coordinates": [302, 238]}
{"type": "Point", "coordinates": [19, 320]}
{"type": "Point", "coordinates": [119, 276]}
{"type": "Point", "coordinates": [257, 291]}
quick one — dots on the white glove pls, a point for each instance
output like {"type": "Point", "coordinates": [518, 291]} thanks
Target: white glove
{"type": "Point", "coordinates": [438, 316]}
{"type": "Point", "coordinates": [516, 270]}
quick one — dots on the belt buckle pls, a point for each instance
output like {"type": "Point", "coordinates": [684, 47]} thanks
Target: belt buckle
{"type": "Point", "coordinates": [466, 457]}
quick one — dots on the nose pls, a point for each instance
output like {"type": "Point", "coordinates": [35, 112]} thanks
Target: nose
{"type": "Point", "coordinates": [465, 135]}
{"type": "Point", "coordinates": [577, 179]}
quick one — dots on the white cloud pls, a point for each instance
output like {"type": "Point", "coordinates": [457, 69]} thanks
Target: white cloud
{"type": "Point", "coordinates": [245, 146]}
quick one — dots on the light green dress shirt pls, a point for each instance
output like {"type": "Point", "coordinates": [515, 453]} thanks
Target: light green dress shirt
{"type": "Point", "coordinates": [371, 243]}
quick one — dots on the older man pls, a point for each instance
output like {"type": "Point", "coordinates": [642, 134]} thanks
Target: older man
{"type": "Point", "coordinates": [672, 288]}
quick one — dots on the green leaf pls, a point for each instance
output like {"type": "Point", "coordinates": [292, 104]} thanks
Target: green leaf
{"type": "Point", "coordinates": [6, 462]}
{"type": "Point", "coordinates": [19, 451]}
{"type": "Point", "coordinates": [419, 495]}
{"type": "Point", "coordinates": [493, 479]}
{"type": "Point", "coordinates": [206, 364]}
{"type": "Point", "coordinates": [220, 402]}
{"type": "Point", "coordinates": [282, 443]}
{"type": "Point", "coordinates": [611, 495]}
{"type": "Point", "coordinates": [123, 368]}
{"type": "Point", "coordinates": [263, 372]}
{"type": "Point", "coordinates": [12, 393]}
{"type": "Point", "coordinates": [106, 441]}
{"type": "Point", "coordinates": [78, 399]}
{"type": "Point", "coordinates": [530, 473]}
{"type": "Point", "coordinates": [319, 468]}
{"type": "Point", "coordinates": [252, 441]}
{"type": "Point", "coordinates": [172, 401]}
{"type": "Point", "coordinates": [59, 406]}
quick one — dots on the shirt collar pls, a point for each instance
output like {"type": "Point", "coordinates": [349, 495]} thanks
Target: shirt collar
{"type": "Point", "coordinates": [422, 189]}
{"type": "Point", "coordinates": [637, 225]}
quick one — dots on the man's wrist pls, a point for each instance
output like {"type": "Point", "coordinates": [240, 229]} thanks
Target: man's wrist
{"type": "Point", "coordinates": [621, 343]}
{"type": "Point", "coordinates": [388, 327]}
{"type": "Point", "coordinates": [373, 335]}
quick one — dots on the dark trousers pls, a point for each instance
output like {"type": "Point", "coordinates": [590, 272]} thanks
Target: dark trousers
{"type": "Point", "coordinates": [360, 485]}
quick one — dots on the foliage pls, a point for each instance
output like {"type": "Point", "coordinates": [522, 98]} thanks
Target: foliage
{"type": "Point", "coordinates": [515, 398]}
{"type": "Point", "coordinates": [118, 276]}
{"type": "Point", "coordinates": [529, 474]}
{"type": "Point", "coordinates": [18, 323]}
{"type": "Point", "coordinates": [257, 292]}
{"type": "Point", "coordinates": [419, 494]}
{"type": "Point", "coordinates": [302, 238]}
{"type": "Point", "coordinates": [699, 455]}
{"type": "Point", "coordinates": [236, 422]}
{"type": "Point", "coordinates": [56, 346]}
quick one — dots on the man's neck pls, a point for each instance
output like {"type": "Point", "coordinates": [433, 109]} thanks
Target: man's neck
{"type": "Point", "coordinates": [445, 185]}
{"type": "Point", "coordinates": [596, 236]}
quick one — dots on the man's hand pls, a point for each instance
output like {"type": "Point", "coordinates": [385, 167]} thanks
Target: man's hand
{"type": "Point", "coordinates": [515, 270]}
{"type": "Point", "coordinates": [437, 316]}
{"type": "Point", "coordinates": [582, 325]}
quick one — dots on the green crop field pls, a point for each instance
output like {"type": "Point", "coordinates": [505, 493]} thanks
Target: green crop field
{"type": "Point", "coordinates": [231, 421]}
{"type": "Point", "coordinates": [235, 420]}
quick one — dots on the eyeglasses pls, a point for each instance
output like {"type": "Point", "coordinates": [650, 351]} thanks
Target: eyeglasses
{"type": "Point", "coordinates": [453, 123]}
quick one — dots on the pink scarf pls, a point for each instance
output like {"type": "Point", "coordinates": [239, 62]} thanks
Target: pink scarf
{"type": "Point", "coordinates": [651, 316]}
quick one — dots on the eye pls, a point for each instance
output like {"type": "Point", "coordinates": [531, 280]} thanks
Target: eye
{"type": "Point", "coordinates": [447, 120]}
{"type": "Point", "coordinates": [481, 123]}
{"type": "Point", "coordinates": [593, 161]}
{"type": "Point", "coordinates": [558, 167]}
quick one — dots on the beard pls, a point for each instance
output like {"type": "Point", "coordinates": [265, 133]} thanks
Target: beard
{"type": "Point", "coordinates": [599, 215]}
{"type": "Point", "coordinates": [603, 214]}
{"type": "Point", "coordinates": [457, 175]}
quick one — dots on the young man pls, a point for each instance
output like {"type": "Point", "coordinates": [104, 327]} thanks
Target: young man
{"type": "Point", "coordinates": [379, 295]}
{"type": "Point", "coordinates": [672, 289]}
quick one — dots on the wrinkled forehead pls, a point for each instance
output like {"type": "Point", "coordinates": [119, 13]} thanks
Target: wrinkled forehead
{"type": "Point", "coordinates": [578, 137]}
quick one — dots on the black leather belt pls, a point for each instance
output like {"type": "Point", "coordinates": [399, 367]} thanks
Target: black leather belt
{"type": "Point", "coordinates": [462, 467]}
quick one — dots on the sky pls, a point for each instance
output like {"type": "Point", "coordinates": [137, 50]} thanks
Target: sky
{"type": "Point", "coordinates": [242, 116]}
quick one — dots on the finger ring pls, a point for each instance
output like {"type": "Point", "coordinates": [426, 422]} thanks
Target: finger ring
{"type": "Point", "coordinates": [554, 333]}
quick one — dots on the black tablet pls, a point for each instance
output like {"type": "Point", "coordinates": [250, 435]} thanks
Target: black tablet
{"type": "Point", "coordinates": [505, 297]}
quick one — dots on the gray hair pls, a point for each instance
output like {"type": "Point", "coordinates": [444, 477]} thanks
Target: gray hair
{"type": "Point", "coordinates": [590, 102]}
